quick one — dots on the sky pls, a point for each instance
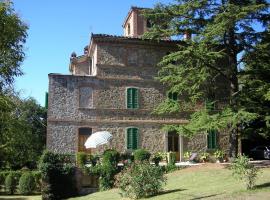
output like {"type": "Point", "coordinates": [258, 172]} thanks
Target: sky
{"type": "Point", "coordinates": [59, 27]}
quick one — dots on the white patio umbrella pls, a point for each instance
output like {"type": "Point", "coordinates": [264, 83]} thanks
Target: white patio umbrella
{"type": "Point", "coordinates": [98, 138]}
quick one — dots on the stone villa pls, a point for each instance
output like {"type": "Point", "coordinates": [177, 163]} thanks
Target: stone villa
{"type": "Point", "coordinates": [111, 87]}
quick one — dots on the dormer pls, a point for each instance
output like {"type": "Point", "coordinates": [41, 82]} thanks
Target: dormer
{"type": "Point", "coordinates": [135, 25]}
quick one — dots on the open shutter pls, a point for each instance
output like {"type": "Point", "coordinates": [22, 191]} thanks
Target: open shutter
{"type": "Point", "coordinates": [214, 139]}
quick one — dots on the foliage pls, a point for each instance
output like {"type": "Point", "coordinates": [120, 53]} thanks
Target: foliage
{"type": "Point", "coordinates": [187, 155]}
{"type": "Point", "coordinates": [204, 156]}
{"type": "Point", "coordinates": [245, 171]}
{"type": "Point", "coordinates": [13, 36]}
{"type": "Point", "coordinates": [141, 180]}
{"type": "Point", "coordinates": [57, 173]}
{"type": "Point", "coordinates": [81, 159]}
{"type": "Point", "coordinates": [223, 33]}
{"type": "Point", "coordinates": [10, 183]}
{"type": "Point", "coordinates": [219, 154]}
{"type": "Point", "coordinates": [27, 183]}
{"type": "Point", "coordinates": [23, 119]}
{"type": "Point", "coordinates": [171, 158]}
{"type": "Point", "coordinates": [141, 155]}
{"type": "Point", "coordinates": [157, 157]}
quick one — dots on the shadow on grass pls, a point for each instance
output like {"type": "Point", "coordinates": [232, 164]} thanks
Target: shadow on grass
{"type": "Point", "coordinates": [264, 185]}
{"type": "Point", "coordinates": [15, 198]}
{"type": "Point", "coordinates": [202, 197]}
{"type": "Point", "coordinates": [167, 192]}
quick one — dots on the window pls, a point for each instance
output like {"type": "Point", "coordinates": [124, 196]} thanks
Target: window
{"type": "Point", "coordinates": [173, 96]}
{"type": "Point", "coordinates": [148, 23]}
{"type": "Point", "coordinates": [132, 138]}
{"type": "Point", "coordinates": [128, 29]}
{"type": "Point", "coordinates": [173, 141]}
{"type": "Point", "coordinates": [85, 97]}
{"type": "Point", "coordinates": [212, 139]}
{"type": "Point", "coordinates": [84, 133]}
{"type": "Point", "coordinates": [132, 98]}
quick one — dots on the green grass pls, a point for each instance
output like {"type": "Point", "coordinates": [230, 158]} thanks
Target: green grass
{"type": "Point", "coordinates": [206, 182]}
{"type": "Point", "coordinates": [209, 182]}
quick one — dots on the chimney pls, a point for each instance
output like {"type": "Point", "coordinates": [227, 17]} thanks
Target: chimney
{"type": "Point", "coordinates": [187, 35]}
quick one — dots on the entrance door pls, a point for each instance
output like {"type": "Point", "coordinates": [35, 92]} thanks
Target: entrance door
{"type": "Point", "coordinates": [84, 133]}
{"type": "Point", "coordinates": [173, 144]}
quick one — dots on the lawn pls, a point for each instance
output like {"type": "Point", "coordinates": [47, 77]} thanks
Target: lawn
{"type": "Point", "coordinates": [204, 182]}
{"type": "Point", "coordinates": [211, 181]}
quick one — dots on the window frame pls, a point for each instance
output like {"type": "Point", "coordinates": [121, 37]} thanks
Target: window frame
{"type": "Point", "coordinates": [212, 139]}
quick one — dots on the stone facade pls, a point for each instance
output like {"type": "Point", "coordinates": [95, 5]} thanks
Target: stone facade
{"type": "Point", "coordinates": [95, 96]}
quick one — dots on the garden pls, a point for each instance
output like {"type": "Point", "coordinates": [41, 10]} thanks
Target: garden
{"type": "Point", "coordinates": [134, 176]}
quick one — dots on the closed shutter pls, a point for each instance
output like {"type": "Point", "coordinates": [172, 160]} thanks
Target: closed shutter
{"type": "Point", "coordinates": [132, 98]}
{"type": "Point", "coordinates": [132, 138]}
{"type": "Point", "coordinates": [212, 139]}
{"type": "Point", "coordinates": [173, 96]}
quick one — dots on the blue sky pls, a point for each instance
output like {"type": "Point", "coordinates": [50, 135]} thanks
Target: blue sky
{"type": "Point", "coordinates": [59, 27]}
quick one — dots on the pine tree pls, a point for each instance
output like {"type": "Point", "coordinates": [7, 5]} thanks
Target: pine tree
{"type": "Point", "coordinates": [223, 32]}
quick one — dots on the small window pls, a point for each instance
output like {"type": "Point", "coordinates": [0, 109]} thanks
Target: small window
{"type": "Point", "coordinates": [86, 97]}
{"type": "Point", "coordinates": [132, 138]}
{"type": "Point", "coordinates": [212, 139]}
{"type": "Point", "coordinates": [132, 98]}
{"type": "Point", "coordinates": [148, 23]}
{"type": "Point", "coordinates": [173, 96]}
{"type": "Point", "coordinates": [128, 29]}
{"type": "Point", "coordinates": [84, 133]}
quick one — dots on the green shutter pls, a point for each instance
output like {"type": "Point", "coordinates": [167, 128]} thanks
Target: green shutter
{"type": "Point", "coordinates": [46, 100]}
{"type": "Point", "coordinates": [212, 139]}
{"type": "Point", "coordinates": [173, 96]}
{"type": "Point", "coordinates": [129, 138]}
{"type": "Point", "coordinates": [129, 98]}
{"type": "Point", "coordinates": [132, 138]}
{"type": "Point", "coordinates": [135, 98]}
{"type": "Point", "coordinates": [132, 98]}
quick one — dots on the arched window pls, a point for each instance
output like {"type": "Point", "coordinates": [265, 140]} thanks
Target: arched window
{"type": "Point", "coordinates": [132, 138]}
{"type": "Point", "coordinates": [132, 98]}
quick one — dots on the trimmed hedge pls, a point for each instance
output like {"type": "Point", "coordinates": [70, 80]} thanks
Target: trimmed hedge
{"type": "Point", "coordinates": [58, 176]}
{"type": "Point", "coordinates": [27, 183]}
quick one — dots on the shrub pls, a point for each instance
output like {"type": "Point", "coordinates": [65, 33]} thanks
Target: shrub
{"type": "Point", "coordinates": [187, 155]}
{"type": "Point", "coordinates": [219, 155]}
{"type": "Point", "coordinates": [204, 156]}
{"type": "Point", "coordinates": [111, 156]}
{"type": "Point", "coordinates": [81, 159]}
{"type": "Point", "coordinates": [157, 158]}
{"type": "Point", "coordinates": [141, 180]}
{"type": "Point", "coordinates": [171, 158]}
{"type": "Point", "coordinates": [11, 183]}
{"type": "Point", "coordinates": [141, 155]}
{"type": "Point", "coordinates": [245, 171]}
{"type": "Point", "coordinates": [27, 183]}
{"type": "Point", "coordinates": [57, 174]}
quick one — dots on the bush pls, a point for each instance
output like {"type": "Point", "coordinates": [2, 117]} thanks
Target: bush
{"type": "Point", "coordinates": [141, 155]}
{"type": "Point", "coordinates": [111, 156]}
{"type": "Point", "coordinates": [204, 157]}
{"type": "Point", "coordinates": [141, 180]}
{"type": "Point", "coordinates": [27, 183]}
{"type": "Point", "coordinates": [11, 183]}
{"type": "Point", "coordinates": [58, 176]}
{"type": "Point", "coordinates": [187, 155]}
{"type": "Point", "coordinates": [245, 171]}
{"type": "Point", "coordinates": [81, 159]}
{"type": "Point", "coordinates": [219, 155]}
{"type": "Point", "coordinates": [157, 158]}
{"type": "Point", "coordinates": [171, 158]}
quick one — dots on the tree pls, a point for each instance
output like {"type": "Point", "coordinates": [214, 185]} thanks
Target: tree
{"type": "Point", "coordinates": [22, 132]}
{"type": "Point", "coordinates": [223, 31]}
{"type": "Point", "coordinates": [255, 92]}
{"type": "Point", "coordinates": [12, 37]}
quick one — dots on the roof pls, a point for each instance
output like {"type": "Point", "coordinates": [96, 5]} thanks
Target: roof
{"type": "Point", "coordinates": [130, 11]}
{"type": "Point", "coordinates": [131, 40]}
